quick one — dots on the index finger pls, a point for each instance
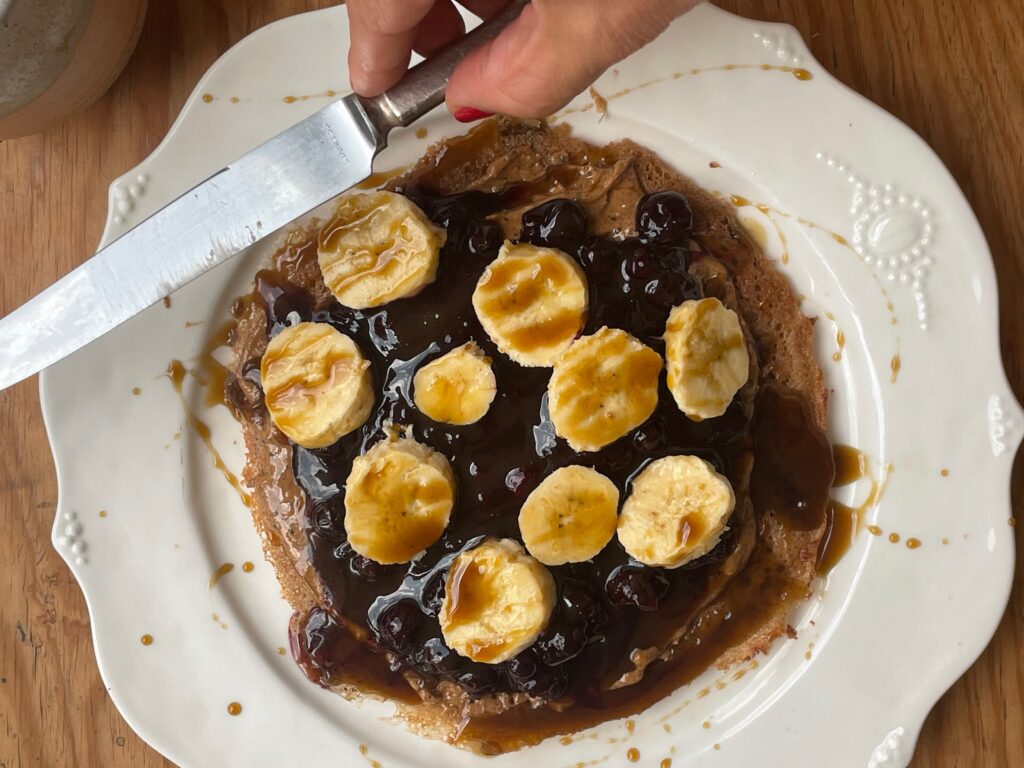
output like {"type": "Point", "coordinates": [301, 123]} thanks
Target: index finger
{"type": "Point", "coordinates": [382, 34]}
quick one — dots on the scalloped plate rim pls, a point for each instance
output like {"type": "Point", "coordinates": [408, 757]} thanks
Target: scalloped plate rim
{"type": "Point", "coordinates": [913, 720]}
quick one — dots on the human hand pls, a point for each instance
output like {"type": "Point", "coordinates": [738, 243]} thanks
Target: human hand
{"type": "Point", "coordinates": [554, 50]}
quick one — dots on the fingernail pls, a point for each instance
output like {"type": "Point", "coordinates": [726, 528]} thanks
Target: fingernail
{"type": "Point", "coordinates": [470, 114]}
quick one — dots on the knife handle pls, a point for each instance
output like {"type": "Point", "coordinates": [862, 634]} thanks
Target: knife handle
{"type": "Point", "coordinates": [422, 87]}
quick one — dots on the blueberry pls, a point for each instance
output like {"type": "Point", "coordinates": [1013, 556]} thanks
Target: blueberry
{"type": "Point", "coordinates": [326, 519]}
{"type": "Point", "coordinates": [523, 667]}
{"type": "Point", "coordinates": [616, 457]}
{"type": "Point", "coordinates": [584, 605]}
{"type": "Point", "coordinates": [675, 258]}
{"type": "Point", "coordinates": [436, 657]}
{"type": "Point", "coordinates": [322, 646]}
{"type": "Point", "coordinates": [484, 237]}
{"type": "Point", "coordinates": [599, 255]}
{"type": "Point", "coordinates": [451, 214]}
{"type": "Point", "coordinates": [360, 566]}
{"type": "Point", "coordinates": [456, 213]}
{"type": "Point", "coordinates": [397, 623]}
{"type": "Point", "coordinates": [557, 646]}
{"type": "Point", "coordinates": [525, 673]}
{"type": "Point", "coordinates": [640, 264]}
{"type": "Point", "coordinates": [578, 621]}
{"type": "Point", "coordinates": [478, 680]}
{"type": "Point", "coordinates": [636, 586]}
{"type": "Point", "coordinates": [689, 288]}
{"type": "Point", "coordinates": [664, 217]}
{"type": "Point", "coordinates": [556, 224]}
{"type": "Point", "coordinates": [651, 436]}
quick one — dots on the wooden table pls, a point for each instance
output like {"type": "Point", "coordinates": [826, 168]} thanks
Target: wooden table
{"type": "Point", "coordinates": [952, 69]}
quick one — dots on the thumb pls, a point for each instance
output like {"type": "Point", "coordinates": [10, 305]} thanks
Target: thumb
{"type": "Point", "coordinates": [554, 50]}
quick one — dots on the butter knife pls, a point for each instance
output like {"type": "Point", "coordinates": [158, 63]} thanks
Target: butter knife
{"type": "Point", "coordinates": [264, 190]}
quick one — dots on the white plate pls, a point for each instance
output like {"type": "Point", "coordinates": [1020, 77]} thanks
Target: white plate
{"type": "Point", "coordinates": [892, 628]}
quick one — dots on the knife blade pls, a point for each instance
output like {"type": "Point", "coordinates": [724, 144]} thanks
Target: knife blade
{"type": "Point", "coordinates": [286, 177]}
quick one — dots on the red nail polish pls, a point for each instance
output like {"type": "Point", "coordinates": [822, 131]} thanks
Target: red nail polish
{"type": "Point", "coordinates": [470, 114]}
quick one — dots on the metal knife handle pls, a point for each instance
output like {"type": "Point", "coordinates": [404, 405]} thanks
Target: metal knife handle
{"type": "Point", "coordinates": [422, 88]}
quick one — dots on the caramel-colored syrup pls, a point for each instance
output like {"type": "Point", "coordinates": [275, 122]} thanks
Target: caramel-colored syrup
{"type": "Point", "coordinates": [234, 709]}
{"type": "Point", "coordinates": [330, 93]}
{"type": "Point", "coordinates": [146, 639]}
{"type": "Point", "coordinates": [894, 366]}
{"type": "Point", "coordinates": [224, 569]}
{"type": "Point", "coordinates": [176, 373]}
{"type": "Point", "coordinates": [213, 373]}
{"type": "Point", "coordinates": [758, 232]}
{"type": "Point", "coordinates": [844, 521]}
{"type": "Point", "coordinates": [375, 180]}
{"type": "Point", "coordinates": [840, 343]}
{"type": "Point", "coordinates": [633, 755]}
{"type": "Point", "coordinates": [741, 202]}
{"type": "Point", "coordinates": [600, 103]}
{"type": "Point", "coordinates": [506, 290]}
{"type": "Point", "coordinates": [840, 533]}
{"type": "Point", "coordinates": [247, 566]}
{"type": "Point", "coordinates": [294, 393]}
{"type": "Point", "coordinates": [851, 465]}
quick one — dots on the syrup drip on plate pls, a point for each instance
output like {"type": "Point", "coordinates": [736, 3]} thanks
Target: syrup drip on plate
{"type": "Point", "coordinates": [176, 373]}
{"type": "Point", "coordinates": [223, 570]}
{"type": "Point", "coordinates": [844, 522]}
{"type": "Point", "coordinates": [799, 73]}
{"type": "Point", "coordinates": [741, 202]}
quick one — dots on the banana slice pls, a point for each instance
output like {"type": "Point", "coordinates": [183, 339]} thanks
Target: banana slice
{"type": "Point", "coordinates": [497, 601]}
{"type": "Point", "coordinates": [570, 516]}
{"type": "Point", "coordinates": [377, 248]}
{"type": "Point", "coordinates": [707, 357]}
{"type": "Point", "coordinates": [532, 302]}
{"type": "Point", "coordinates": [676, 511]}
{"type": "Point", "coordinates": [398, 498]}
{"type": "Point", "coordinates": [603, 386]}
{"type": "Point", "coordinates": [456, 388]}
{"type": "Point", "coordinates": [316, 384]}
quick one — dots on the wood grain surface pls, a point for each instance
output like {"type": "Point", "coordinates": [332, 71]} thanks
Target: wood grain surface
{"type": "Point", "coordinates": [952, 69]}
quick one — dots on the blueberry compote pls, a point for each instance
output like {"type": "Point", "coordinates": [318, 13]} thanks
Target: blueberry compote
{"type": "Point", "coordinates": [608, 609]}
